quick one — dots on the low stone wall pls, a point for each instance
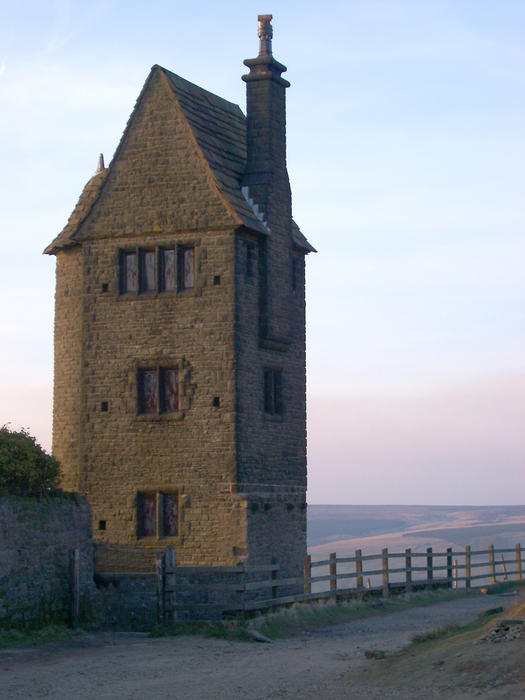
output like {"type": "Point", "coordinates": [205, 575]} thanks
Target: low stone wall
{"type": "Point", "coordinates": [36, 538]}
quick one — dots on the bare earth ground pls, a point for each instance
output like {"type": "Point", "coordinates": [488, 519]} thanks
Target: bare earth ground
{"type": "Point", "coordinates": [325, 663]}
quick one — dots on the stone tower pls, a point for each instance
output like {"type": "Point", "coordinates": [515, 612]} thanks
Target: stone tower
{"type": "Point", "coordinates": [179, 396]}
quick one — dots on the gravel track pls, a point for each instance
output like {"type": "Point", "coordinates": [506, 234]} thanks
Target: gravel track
{"type": "Point", "coordinates": [315, 664]}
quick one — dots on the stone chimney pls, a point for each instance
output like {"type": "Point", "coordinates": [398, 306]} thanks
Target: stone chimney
{"type": "Point", "coordinates": [266, 176]}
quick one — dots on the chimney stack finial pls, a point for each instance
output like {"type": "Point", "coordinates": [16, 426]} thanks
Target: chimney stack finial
{"type": "Point", "coordinates": [265, 35]}
{"type": "Point", "coordinates": [100, 164]}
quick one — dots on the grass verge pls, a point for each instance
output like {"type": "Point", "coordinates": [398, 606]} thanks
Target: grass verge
{"type": "Point", "coordinates": [308, 616]}
{"type": "Point", "coordinates": [50, 633]}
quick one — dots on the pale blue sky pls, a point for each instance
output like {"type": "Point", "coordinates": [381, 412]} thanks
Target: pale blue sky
{"type": "Point", "coordinates": [406, 150]}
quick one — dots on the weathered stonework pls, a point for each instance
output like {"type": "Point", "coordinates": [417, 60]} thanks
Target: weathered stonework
{"type": "Point", "coordinates": [36, 537]}
{"type": "Point", "coordinates": [238, 470]}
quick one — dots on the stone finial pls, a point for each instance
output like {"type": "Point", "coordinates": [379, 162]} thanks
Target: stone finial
{"type": "Point", "coordinates": [265, 35]}
{"type": "Point", "coordinates": [100, 165]}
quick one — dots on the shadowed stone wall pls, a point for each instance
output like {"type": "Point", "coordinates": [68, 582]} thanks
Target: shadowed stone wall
{"type": "Point", "coordinates": [36, 537]}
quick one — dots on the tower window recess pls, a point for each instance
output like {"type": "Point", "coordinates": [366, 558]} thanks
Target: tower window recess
{"type": "Point", "coordinates": [273, 391]}
{"type": "Point", "coordinates": [296, 273]}
{"type": "Point", "coordinates": [157, 390]}
{"type": "Point", "coordinates": [156, 270]}
{"type": "Point", "coordinates": [157, 514]}
{"type": "Point", "coordinates": [250, 259]}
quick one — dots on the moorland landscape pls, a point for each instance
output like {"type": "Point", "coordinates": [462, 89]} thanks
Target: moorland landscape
{"type": "Point", "coordinates": [345, 528]}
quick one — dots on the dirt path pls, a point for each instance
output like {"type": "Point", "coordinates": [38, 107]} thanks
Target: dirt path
{"type": "Point", "coordinates": [325, 663]}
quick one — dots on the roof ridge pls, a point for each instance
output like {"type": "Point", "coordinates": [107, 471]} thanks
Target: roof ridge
{"type": "Point", "coordinates": [198, 88]}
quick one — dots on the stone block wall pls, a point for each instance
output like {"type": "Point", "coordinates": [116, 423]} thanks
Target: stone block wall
{"type": "Point", "coordinates": [271, 449]}
{"type": "Point", "coordinates": [67, 392]}
{"type": "Point", "coordinates": [36, 537]}
{"type": "Point", "coordinates": [190, 452]}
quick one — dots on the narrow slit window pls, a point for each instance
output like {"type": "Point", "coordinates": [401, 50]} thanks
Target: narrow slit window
{"type": "Point", "coordinates": [148, 277]}
{"type": "Point", "coordinates": [170, 515]}
{"type": "Point", "coordinates": [148, 391]}
{"type": "Point", "coordinates": [273, 391]}
{"type": "Point", "coordinates": [250, 259]}
{"type": "Point", "coordinates": [130, 282]}
{"type": "Point", "coordinates": [186, 265]}
{"type": "Point", "coordinates": [169, 386]}
{"type": "Point", "coordinates": [167, 270]}
{"type": "Point", "coordinates": [147, 514]}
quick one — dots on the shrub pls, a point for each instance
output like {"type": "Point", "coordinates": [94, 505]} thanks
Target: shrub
{"type": "Point", "coordinates": [25, 468]}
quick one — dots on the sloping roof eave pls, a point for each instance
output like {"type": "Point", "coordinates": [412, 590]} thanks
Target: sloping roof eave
{"type": "Point", "coordinates": [83, 207]}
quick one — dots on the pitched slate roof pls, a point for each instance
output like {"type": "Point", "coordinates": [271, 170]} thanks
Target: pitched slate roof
{"type": "Point", "coordinates": [219, 128]}
{"type": "Point", "coordinates": [86, 200]}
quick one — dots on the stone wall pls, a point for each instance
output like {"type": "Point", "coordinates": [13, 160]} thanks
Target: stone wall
{"type": "Point", "coordinates": [36, 538]}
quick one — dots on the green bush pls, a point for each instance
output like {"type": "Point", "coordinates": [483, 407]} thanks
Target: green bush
{"type": "Point", "coordinates": [25, 468]}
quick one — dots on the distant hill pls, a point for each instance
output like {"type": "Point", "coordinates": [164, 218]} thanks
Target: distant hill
{"type": "Point", "coordinates": [345, 528]}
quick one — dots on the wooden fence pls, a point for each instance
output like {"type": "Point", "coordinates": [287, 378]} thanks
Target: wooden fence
{"type": "Point", "coordinates": [242, 588]}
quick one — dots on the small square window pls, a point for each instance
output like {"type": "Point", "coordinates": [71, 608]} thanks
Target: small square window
{"type": "Point", "coordinates": [217, 280]}
{"type": "Point", "coordinates": [104, 406]}
{"type": "Point", "coordinates": [273, 391]}
{"type": "Point", "coordinates": [101, 524]}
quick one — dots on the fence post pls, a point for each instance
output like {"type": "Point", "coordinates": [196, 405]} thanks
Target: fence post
{"type": "Point", "coordinates": [384, 560]}
{"type": "Point", "coordinates": [359, 569]}
{"type": "Point", "coordinates": [170, 559]}
{"type": "Point", "coordinates": [274, 577]}
{"type": "Point", "coordinates": [159, 566]}
{"type": "Point", "coordinates": [455, 574]}
{"type": "Point", "coordinates": [449, 567]}
{"type": "Point", "coordinates": [492, 564]}
{"type": "Point", "coordinates": [74, 558]}
{"type": "Point", "coordinates": [241, 590]}
{"type": "Point", "coordinates": [307, 574]}
{"type": "Point", "coordinates": [333, 574]}
{"type": "Point", "coordinates": [468, 561]}
{"type": "Point", "coordinates": [408, 570]}
{"type": "Point", "coordinates": [518, 562]}
{"type": "Point", "coordinates": [430, 570]}
{"type": "Point", "coordinates": [504, 567]}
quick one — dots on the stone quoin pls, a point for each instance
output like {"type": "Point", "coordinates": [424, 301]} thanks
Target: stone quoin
{"type": "Point", "coordinates": [179, 390]}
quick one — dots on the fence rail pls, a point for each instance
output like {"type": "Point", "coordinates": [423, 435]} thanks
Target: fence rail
{"type": "Point", "coordinates": [243, 588]}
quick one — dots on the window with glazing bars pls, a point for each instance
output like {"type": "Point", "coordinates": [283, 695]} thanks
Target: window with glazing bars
{"type": "Point", "coordinates": [157, 390]}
